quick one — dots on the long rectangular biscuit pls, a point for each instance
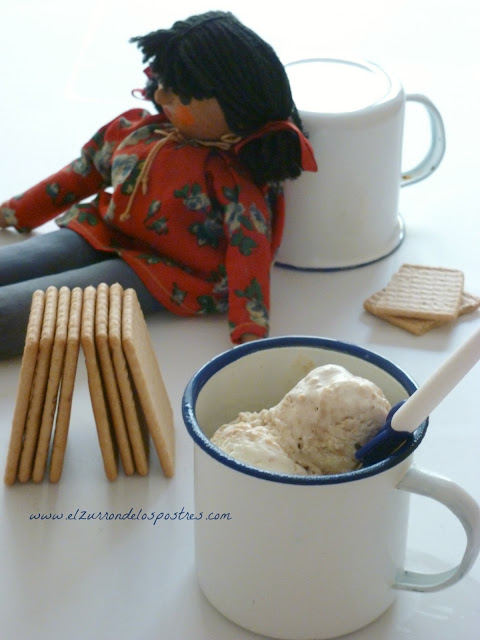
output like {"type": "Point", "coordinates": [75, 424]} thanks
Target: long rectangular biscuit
{"type": "Point", "coordinates": [137, 428]}
{"type": "Point", "coordinates": [53, 385]}
{"type": "Point", "coordinates": [62, 421]}
{"type": "Point", "coordinates": [109, 378]}
{"type": "Point", "coordinates": [95, 385]}
{"type": "Point", "coordinates": [148, 381]}
{"type": "Point", "coordinates": [39, 385]}
{"type": "Point", "coordinates": [27, 370]}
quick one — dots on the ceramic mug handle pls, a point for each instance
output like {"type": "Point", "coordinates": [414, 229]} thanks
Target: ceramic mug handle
{"type": "Point", "coordinates": [437, 145]}
{"type": "Point", "coordinates": [464, 507]}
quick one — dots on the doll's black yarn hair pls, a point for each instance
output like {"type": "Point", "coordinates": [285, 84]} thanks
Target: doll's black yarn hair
{"type": "Point", "coordinates": [213, 55]}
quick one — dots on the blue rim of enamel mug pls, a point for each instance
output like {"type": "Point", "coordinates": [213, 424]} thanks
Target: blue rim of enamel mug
{"type": "Point", "coordinates": [203, 375]}
{"type": "Point", "coordinates": [356, 265]}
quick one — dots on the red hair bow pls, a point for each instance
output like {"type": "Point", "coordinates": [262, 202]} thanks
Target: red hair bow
{"type": "Point", "coordinates": [140, 93]}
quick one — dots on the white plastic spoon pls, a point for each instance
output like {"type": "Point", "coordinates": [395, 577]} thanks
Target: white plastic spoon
{"type": "Point", "coordinates": [405, 417]}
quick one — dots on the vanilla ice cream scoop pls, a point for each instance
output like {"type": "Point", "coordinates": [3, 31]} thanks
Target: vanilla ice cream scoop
{"type": "Point", "coordinates": [326, 417]}
{"type": "Point", "coordinates": [315, 429]}
{"type": "Point", "coordinates": [249, 439]}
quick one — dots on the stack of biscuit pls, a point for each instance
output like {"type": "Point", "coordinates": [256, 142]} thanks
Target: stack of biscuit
{"type": "Point", "coordinates": [419, 298]}
{"type": "Point", "coordinates": [129, 400]}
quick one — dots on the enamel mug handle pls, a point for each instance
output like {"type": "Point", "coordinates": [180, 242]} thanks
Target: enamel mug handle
{"type": "Point", "coordinates": [464, 507]}
{"type": "Point", "coordinates": [437, 145]}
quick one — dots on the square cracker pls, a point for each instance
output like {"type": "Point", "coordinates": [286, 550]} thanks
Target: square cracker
{"type": "Point", "coordinates": [469, 303]}
{"type": "Point", "coordinates": [109, 378]}
{"type": "Point", "coordinates": [424, 292]}
{"type": "Point", "coordinates": [137, 429]}
{"type": "Point", "coordinates": [62, 420]}
{"type": "Point", "coordinates": [95, 385]}
{"type": "Point", "coordinates": [53, 385]}
{"type": "Point", "coordinates": [39, 385]}
{"type": "Point", "coordinates": [27, 370]}
{"type": "Point", "coordinates": [419, 326]}
{"type": "Point", "coordinates": [148, 380]}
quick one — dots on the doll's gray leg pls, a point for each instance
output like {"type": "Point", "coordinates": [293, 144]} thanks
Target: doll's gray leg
{"type": "Point", "coordinates": [15, 299]}
{"type": "Point", "coordinates": [44, 254]}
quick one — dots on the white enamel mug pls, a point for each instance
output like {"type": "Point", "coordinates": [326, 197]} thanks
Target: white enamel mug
{"type": "Point", "coordinates": [347, 214]}
{"type": "Point", "coordinates": [302, 557]}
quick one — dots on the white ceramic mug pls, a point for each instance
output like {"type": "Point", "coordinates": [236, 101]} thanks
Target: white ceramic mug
{"type": "Point", "coordinates": [346, 215]}
{"type": "Point", "coordinates": [303, 557]}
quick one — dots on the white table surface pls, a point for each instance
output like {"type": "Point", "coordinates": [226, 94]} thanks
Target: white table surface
{"type": "Point", "coordinates": [66, 69]}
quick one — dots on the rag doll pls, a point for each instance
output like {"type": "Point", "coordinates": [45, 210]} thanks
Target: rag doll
{"type": "Point", "coordinates": [183, 204]}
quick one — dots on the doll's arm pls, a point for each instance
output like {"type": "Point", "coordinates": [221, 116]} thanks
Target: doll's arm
{"type": "Point", "coordinates": [82, 178]}
{"type": "Point", "coordinates": [248, 262]}
{"type": "Point", "coordinates": [248, 337]}
{"type": "Point", "coordinates": [50, 197]}
{"type": "Point", "coordinates": [3, 221]}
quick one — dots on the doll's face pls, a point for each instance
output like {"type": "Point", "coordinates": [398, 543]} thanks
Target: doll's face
{"type": "Point", "coordinates": [200, 119]}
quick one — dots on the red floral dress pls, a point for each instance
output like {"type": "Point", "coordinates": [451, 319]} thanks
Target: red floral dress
{"type": "Point", "coordinates": [200, 235]}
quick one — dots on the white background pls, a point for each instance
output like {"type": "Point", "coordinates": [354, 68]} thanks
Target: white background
{"type": "Point", "coordinates": [66, 69]}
